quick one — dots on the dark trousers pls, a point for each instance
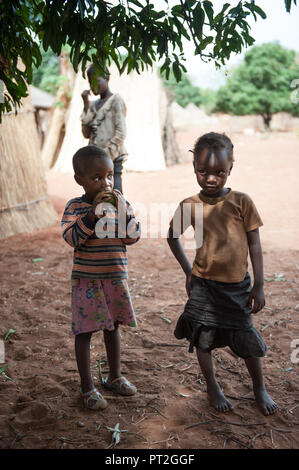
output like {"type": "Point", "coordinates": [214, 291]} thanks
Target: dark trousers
{"type": "Point", "coordinates": [118, 168]}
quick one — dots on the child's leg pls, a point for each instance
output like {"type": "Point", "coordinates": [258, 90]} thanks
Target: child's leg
{"type": "Point", "coordinates": [264, 401]}
{"type": "Point", "coordinates": [82, 349]}
{"type": "Point", "coordinates": [112, 343]}
{"type": "Point", "coordinates": [217, 398]}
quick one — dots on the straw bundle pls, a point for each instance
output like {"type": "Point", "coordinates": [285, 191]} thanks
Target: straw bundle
{"type": "Point", "coordinates": [60, 114]}
{"type": "Point", "coordinates": [24, 206]}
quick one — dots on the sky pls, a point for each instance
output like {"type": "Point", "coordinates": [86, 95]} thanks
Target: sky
{"type": "Point", "coordinates": [278, 26]}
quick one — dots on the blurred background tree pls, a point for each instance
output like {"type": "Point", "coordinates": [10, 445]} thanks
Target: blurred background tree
{"type": "Point", "coordinates": [185, 92]}
{"type": "Point", "coordinates": [45, 76]}
{"type": "Point", "coordinates": [261, 84]}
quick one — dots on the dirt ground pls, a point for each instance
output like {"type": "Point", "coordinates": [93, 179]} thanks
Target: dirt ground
{"type": "Point", "coordinates": [40, 405]}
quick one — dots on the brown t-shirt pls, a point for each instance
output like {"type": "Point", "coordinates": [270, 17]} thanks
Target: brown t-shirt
{"type": "Point", "coordinates": [222, 230]}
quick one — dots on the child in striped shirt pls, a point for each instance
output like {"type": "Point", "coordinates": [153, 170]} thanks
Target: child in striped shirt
{"type": "Point", "coordinates": [99, 225]}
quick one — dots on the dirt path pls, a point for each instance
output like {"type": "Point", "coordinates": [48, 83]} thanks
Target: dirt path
{"type": "Point", "coordinates": [39, 403]}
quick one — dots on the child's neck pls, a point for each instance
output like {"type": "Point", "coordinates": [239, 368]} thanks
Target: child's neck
{"type": "Point", "coordinates": [104, 96]}
{"type": "Point", "coordinates": [220, 193]}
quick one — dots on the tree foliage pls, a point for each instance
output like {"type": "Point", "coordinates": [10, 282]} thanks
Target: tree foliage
{"type": "Point", "coordinates": [261, 84]}
{"type": "Point", "coordinates": [97, 30]}
{"type": "Point", "coordinates": [183, 92]}
{"type": "Point", "coordinates": [46, 76]}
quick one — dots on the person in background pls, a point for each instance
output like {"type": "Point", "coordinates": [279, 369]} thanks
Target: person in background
{"type": "Point", "coordinates": [104, 121]}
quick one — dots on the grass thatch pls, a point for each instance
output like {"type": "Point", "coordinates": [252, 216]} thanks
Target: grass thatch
{"type": "Point", "coordinates": [24, 206]}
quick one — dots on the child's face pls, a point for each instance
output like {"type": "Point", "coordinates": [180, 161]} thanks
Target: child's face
{"type": "Point", "coordinates": [212, 168]}
{"type": "Point", "coordinates": [98, 177]}
{"type": "Point", "coordinates": [102, 86]}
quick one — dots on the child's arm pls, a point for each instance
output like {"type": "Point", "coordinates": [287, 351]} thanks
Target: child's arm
{"type": "Point", "coordinates": [257, 297]}
{"type": "Point", "coordinates": [86, 131]}
{"type": "Point", "coordinates": [87, 115]}
{"type": "Point", "coordinates": [119, 135]}
{"type": "Point", "coordinates": [77, 229]}
{"type": "Point", "coordinates": [178, 252]}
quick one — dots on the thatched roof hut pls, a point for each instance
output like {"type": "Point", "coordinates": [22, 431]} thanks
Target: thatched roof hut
{"type": "Point", "coordinates": [24, 204]}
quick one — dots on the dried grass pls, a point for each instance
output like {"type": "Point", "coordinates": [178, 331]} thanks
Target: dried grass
{"type": "Point", "coordinates": [23, 193]}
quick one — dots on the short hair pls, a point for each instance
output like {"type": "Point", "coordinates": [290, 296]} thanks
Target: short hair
{"type": "Point", "coordinates": [214, 141]}
{"type": "Point", "coordinates": [86, 155]}
{"type": "Point", "coordinates": [91, 70]}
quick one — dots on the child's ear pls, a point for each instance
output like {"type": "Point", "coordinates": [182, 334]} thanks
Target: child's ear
{"type": "Point", "coordinates": [77, 178]}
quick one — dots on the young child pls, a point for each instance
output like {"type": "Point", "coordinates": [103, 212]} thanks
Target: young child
{"type": "Point", "coordinates": [100, 294]}
{"type": "Point", "coordinates": [221, 299]}
{"type": "Point", "coordinates": [104, 121]}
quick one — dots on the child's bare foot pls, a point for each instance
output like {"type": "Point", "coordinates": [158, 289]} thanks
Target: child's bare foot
{"type": "Point", "coordinates": [265, 402]}
{"type": "Point", "coordinates": [218, 400]}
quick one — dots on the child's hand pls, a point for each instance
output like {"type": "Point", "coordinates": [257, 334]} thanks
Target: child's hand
{"type": "Point", "coordinates": [188, 284]}
{"type": "Point", "coordinates": [257, 298]}
{"type": "Point", "coordinates": [85, 97]}
{"type": "Point", "coordinates": [103, 196]}
{"type": "Point", "coordinates": [119, 198]}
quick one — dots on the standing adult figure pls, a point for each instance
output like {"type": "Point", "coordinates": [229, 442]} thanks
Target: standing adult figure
{"type": "Point", "coordinates": [104, 121]}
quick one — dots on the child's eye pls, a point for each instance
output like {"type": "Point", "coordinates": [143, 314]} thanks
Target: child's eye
{"type": "Point", "coordinates": [201, 172]}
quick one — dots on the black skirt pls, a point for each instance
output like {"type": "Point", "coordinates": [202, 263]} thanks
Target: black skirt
{"type": "Point", "coordinates": [218, 314]}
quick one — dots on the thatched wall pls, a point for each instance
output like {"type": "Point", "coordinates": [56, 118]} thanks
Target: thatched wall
{"type": "Point", "coordinates": [24, 205]}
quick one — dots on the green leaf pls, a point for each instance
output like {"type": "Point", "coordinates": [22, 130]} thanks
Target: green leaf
{"type": "Point", "coordinates": [259, 10]}
{"type": "Point", "coordinates": [206, 42]}
{"type": "Point", "coordinates": [9, 333]}
{"type": "Point", "coordinates": [198, 20]}
{"type": "Point", "coordinates": [176, 71]}
{"type": "Point", "coordinates": [3, 369]}
{"type": "Point", "coordinates": [165, 319]}
{"type": "Point", "coordinates": [288, 4]}
{"type": "Point", "coordinates": [209, 9]}
{"type": "Point", "coordinates": [138, 4]}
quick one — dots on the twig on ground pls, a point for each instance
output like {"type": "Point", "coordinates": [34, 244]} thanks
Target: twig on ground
{"type": "Point", "coordinates": [199, 423]}
{"type": "Point", "coordinates": [239, 442]}
{"type": "Point", "coordinates": [165, 440]}
{"type": "Point", "coordinates": [255, 437]}
{"type": "Point", "coordinates": [18, 437]}
{"type": "Point", "coordinates": [291, 409]}
{"type": "Point", "coordinates": [236, 424]}
{"type": "Point", "coordinates": [271, 435]}
{"type": "Point", "coordinates": [158, 411]}
{"type": "Point", "coordinates": [240, 397]}
{"type": "Point", "coordinates": [230, 370]}
{"type": "Point", "coordinates": [186, 368]}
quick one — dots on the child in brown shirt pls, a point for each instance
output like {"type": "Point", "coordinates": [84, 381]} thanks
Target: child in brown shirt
{"type": "Point", "coordinates": [221, 299]}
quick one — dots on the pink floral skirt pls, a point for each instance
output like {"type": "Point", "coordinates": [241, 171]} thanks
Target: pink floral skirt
{"type": "Point", "coordinates": [97, 304]}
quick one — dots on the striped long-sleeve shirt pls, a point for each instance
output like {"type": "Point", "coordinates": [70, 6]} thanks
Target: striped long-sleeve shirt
{"type": "Point", "coordinates": [97, 258]}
